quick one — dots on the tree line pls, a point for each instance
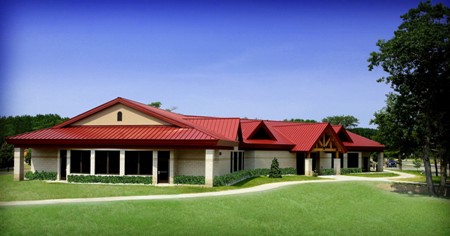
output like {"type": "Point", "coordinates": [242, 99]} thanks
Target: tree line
{"type": "Point", "coordinates": [13, 125]}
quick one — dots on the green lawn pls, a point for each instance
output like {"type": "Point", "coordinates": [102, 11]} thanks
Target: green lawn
{"type": "Point", "coordinates": [420, 177]}
{"type": "Point", "coordinates": [340, 208]}
{"type": "Point", "coordinates": [374, 174]}
{"type": "Point", "coordinates": [36, 190]}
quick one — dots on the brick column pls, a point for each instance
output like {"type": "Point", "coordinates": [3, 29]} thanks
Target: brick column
{"type": "Point", "coordinates": [171, 166]}
{"type": "Point", "coordinates": [380, 165]}
{"type": "Point", "coordinates": [18, 164]}
{"type": "Point", "coordinates": [308, 165]}
{"type": "Point", "coordinates": [68, 162]}
{"type": "Point", "coordinates": [359, 159]}
{"type": "Point", "coordinates": [209, 167]}
{"type": "Point", "coordinates": [155, 168]}
{"type": "Point", "coordinates": [122, 163]}
{"type": "Point", "coordinates": [92, 172]}
{"type": "Point", "coordinates": [345, 160]}
{"type": "Point", "coordinates": [337, 166]}
{"type": "Point", "coordinates": [58, 166]}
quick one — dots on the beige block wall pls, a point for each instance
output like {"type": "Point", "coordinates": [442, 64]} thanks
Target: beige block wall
{"type": "Point", "coordinates": [130, 116]}
{"type": "Point", "coordinates": [325, 160]}
{"type": "Point", "coordinates": [44, 160]}
{"type": "Point", "coordinates": [222, 162]}
{"type": "Point", "coordinates": [263, 159]}
{"type": "Point", "coordinates": [189, 162]}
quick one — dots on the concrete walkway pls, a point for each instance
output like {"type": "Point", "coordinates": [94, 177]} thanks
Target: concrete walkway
{"type": "Point", "coordinates": [260, 188]}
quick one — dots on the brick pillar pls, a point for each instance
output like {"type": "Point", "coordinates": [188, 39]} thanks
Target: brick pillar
{"type": "Point", "coordinates": [337, 164]}
{"type": "Point", "coordinates": [155, 168]}
{"type": "Point", "coordinates": [68, 162]}
{"type": "Point", "coordinates": [171, 166]}
{"type": "Point", "coordinates": [359, 159]}
{"type": "Point", "coordinates": [380, 165]}
{"type": "Point", "coordinates": [209, 167]}
{"type": "Point", "coordinates": [345, 160]}
{"type": "Point", "coordinates": [308, 165]}
{"type": "Point", "coordinates": [92, 172]}
{"type": "Point", "coordinates": [122, 163]}
{"type": "Point", "coordinates": [18, 164]}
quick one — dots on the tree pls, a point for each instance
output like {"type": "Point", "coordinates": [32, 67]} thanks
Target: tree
{"type": "Point", "coordinates": [395, 128]}
{"type": "Point", "coordinates": [366, 132]}
{"type": "Point", "coordinates": [159, 105]}
{"type": "Point", "coordinates": [348, 122]}
{"type": "Point", "coordinates": [275, 171]}
{"type": "Point", "coordinates": [155, 104]}
{"type": "Point", "coordinates": [301, 120]}
{"type": "Point", "coordinates": [13, 125]}
{"type": "Point", "coordinates": [417, 61]}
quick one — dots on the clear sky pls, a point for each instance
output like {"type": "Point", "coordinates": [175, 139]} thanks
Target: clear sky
{"type": "Point", "coordinates": [255, 59]}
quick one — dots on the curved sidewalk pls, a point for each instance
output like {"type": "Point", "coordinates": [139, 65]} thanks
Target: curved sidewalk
{"type": "Point", "coordinates": [259, 188]}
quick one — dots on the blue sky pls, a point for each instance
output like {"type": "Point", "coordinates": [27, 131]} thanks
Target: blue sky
{"type": "Point", "coordinates": [255, 59]}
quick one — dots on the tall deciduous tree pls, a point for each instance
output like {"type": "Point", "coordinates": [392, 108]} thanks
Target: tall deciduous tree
{"type": "Point", "coordinates": [417, 61]}
{"type": "Point", "coordinates": [348, 122]}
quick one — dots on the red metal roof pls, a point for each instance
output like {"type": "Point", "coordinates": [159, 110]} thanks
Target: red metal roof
{"type": "Point", "coordinates": [190, 131]}
{"type": "Point", "coordinates": [361, 143]}
{"type": "Point", "coordinates": [226, 127]}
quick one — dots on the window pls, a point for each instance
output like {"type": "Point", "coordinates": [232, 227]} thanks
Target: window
{"type": "Point", "coordinates": [80, 162]}
{"type": "Point", "coordinates": [236, 161]}
{"type": "Point", "coordinates": [119, 116]}
{"type": "Point", "coordinates": [352, 160]}
{"type": "Point", "coordinates": [107, 162]}
{"type": "Point", "coordinates": [138, 162]}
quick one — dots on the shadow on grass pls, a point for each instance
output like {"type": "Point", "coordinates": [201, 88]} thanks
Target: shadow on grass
{"type": "Point", "coordinates": [412, 189]}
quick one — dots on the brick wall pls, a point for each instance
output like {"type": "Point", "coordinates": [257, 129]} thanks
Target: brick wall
{"type": "Point", "coordinates": [189, 162]}
{"type": "Point", "coordinates": [44, 160]}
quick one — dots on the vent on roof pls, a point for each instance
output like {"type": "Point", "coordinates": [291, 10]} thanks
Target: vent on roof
{"type": "Point", "coordinates": [262, 133]}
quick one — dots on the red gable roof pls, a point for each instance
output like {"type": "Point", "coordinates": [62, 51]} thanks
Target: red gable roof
{"type": "Point", "coordinates": [360, 143]}
{"type": "Point", "coordinates": [191, 132]}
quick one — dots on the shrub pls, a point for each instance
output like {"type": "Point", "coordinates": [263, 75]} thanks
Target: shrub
{"type": "Point", "coordinates": [327, 171]}
{"type": "Point", "coordinates": [288, 171]}
{"type": "Point", "coordinates": [350, 170]}
{"type": "Point", "coordinates": [275, 171]}
{"type": "Point", "coordinates": [185, 179]}
{"type": "Point", "coordinates": [417, 163]}
{"type": "Point", "coordinates": [40, 175]}
{"type": "Point", "coordinates": [235, 177]}
{"type": "Point", "coordinates": [110, 179]}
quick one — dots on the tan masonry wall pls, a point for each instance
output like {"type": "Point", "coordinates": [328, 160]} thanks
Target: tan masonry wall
{"type": "Point", "coordinates": [44, 160]}
{"type": "Point", "coordinates": [222, 162]}
{"type": "Point", "coordinates": [263, 159]}
{"type": "Point", "coordinates": [189, 162]}
{"type": "Point", "coordinates": [130, 116]}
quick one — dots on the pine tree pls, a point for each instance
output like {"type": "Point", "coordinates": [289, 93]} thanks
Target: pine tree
{"type": "Point", "coordinates": [275, 171]}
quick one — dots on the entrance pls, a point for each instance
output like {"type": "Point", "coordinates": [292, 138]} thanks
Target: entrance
{"type": "Point", "coordinates": [300, 163]}
{"type": "Point", "coordinates": [63, 164]}
{"type": "Point", "coordinates": [163, 166]}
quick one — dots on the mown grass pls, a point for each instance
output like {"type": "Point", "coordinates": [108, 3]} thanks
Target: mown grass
{"type": "Point", "coordinates": [374, 174]}
{"type": "Point", "coordinates": [420, 177]}
{"type": "Point", "coordinates": [37, 190]}
{"type": "Point", "coordinates": [341, 208]}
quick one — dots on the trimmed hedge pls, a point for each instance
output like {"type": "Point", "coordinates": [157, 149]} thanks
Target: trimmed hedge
{"type": "Point", "coordinates": [234, 177]}
{"type": "Point", "coordinates": [110, 179]}
{"type": "Point", "coordinates": [327, 171]}
{"type": "Point", "coordinates": [188, 179]}
{"type": "Point", "coordinates": [350, 170]}
{"type": "Point", "coordinates": [288, 171]}
{"type": "Point", "coordinates": [40, 175]}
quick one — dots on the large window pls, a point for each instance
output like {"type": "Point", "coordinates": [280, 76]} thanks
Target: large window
{"type": "Point", "coordinates": [80, 161]}
{"type": "Point", "coordinates": [352, 160]}
{"type": "Point", "coordinates": [107, 162]}
{"type": "Point", "coordinates": [138, 162]}
{"type": "Point", "coordinates": [236, 161]}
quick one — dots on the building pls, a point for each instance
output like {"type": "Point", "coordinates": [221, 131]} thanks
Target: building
{"type": "Point", "coordinates": [124, 137]}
